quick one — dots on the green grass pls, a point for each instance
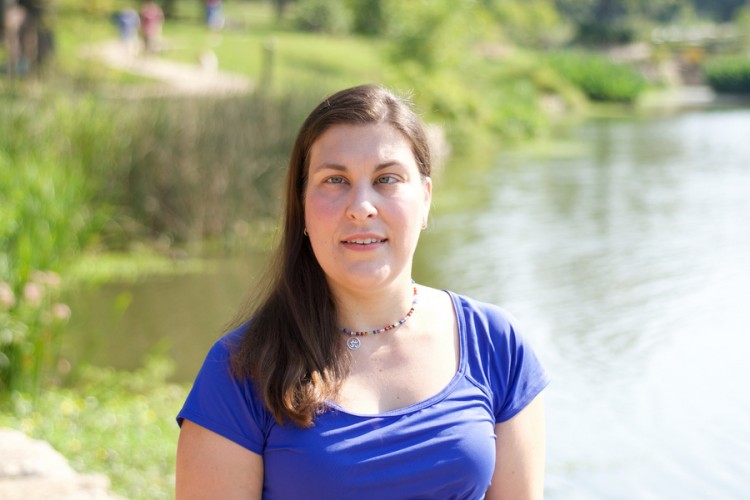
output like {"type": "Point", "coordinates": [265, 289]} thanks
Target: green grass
{"type": "Point", "coordinates": [120, 424]}
{"type": "Point", "coordinates": [326, 61]}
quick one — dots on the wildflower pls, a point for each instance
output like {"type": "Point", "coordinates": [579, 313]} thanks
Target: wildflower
{"type": "Point", "coordinates": [32, 293]}
{"type": "Point", "coordinates": [48, 278]}
{"type": "Point", "coordinates": [7, 298]}
{"type": "Point", "coordinates": [61, 312]}
{"type": "Point", "coordinates": [52, 279]}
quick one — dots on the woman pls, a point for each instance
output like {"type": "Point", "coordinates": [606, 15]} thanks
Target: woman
{"type": "Point", "coordinates": [349, 380]}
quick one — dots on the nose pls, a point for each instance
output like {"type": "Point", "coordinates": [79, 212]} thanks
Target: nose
{"type": "Point", "coordinates": [361, 206]}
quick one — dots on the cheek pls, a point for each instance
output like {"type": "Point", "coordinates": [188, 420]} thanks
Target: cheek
{"type": "Point", "coordinates": [319, 211]}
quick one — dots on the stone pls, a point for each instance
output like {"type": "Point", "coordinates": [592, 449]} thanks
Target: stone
{"type": "Point", "coordinates": [31, 469]}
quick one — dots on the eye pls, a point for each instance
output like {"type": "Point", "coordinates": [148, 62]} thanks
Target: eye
{"type": "Point", "coordinates": [387, 179]}
{"type": "Point", "coordinates": [335, 179]}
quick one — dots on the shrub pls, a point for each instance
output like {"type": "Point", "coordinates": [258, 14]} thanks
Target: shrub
{"type": "Point", "coordinates": [369, 16]}
{"type": "Point", "coordinates": [599, 78]}
{"type": "Point", "coordinates": [31, 323]}
{"type": "Point", "coordinates": [729, 74]}
{"type": "Point", "coordinates": [326, 16]}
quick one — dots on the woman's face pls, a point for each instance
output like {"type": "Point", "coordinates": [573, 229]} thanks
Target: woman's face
{"type": "Point", "coordinates": [365, 205]}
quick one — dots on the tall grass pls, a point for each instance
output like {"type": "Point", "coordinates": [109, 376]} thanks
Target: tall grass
{"type": "Point", "coordinates": [197, 168]}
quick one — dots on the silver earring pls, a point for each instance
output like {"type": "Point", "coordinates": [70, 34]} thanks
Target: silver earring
{"type": "Point", "coordinates": [304, 231]}
{"type": "Point", "coordinates": [424, 225]}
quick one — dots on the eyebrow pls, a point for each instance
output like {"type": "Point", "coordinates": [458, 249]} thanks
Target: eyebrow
{"type": "Point", "coordinates": [343, 168]}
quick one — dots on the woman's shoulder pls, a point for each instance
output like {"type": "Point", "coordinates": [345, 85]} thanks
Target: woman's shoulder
{"type": "Point", "coordinates": [223, 348]}
{"type": "Point", "coordinates": [480, 313]}
{"type": "Point", "coordinates": [498, 357]}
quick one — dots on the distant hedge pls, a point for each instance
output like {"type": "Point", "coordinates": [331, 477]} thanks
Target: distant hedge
{"type": "Point", "coordinates": [728, 74]}
{"type": "Point", "coordinates": [598, 77]}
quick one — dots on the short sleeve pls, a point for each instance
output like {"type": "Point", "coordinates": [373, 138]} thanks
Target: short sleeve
{"type": "Point", "coordinates": [522, 375]}
{"type": "Point", "coordinates": [224, 404]}
{"type": "Point", "coordinates": [507, 363]}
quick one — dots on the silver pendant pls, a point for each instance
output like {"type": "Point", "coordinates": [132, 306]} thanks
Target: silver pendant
{"type": "Point", "coordinates": [353, 343]}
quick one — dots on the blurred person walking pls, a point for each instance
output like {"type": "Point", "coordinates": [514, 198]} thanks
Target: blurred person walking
{"type": "Point", "coordinates": [152, 19]}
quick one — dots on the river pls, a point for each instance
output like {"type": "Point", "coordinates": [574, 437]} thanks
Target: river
{"type": "Point", "coordinates": [623, 248]}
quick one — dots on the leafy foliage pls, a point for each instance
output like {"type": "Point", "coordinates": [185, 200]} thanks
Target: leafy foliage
{"type": "Point", "coordinates": [530, 23]}
{"type": "Point", "coordinates": [729, 74]}
{"type": "Point", "coordinates": [599, 78]}
{"type": "Point", "coordinates": [325, 16]}
{"type": "Point", "coordinates": [369, 16]}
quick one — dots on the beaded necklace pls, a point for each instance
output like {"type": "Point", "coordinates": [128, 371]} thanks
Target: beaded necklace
{"type": "Point", "coordinates": [353, 343]}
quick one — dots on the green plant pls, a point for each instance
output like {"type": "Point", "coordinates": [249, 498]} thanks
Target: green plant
{"type": "Point", "coordinates": [729, 74]}
{"type": "Point", "coordinates": [120, 424]}
{"type": "Point", "coordinates": [599, 78]}
{"type": "Point", "coordinates": [326, 16]}
{"type": "Point", "coordinates": [31, 323]}
{"type": "Point", "coordinates": [46, 219]}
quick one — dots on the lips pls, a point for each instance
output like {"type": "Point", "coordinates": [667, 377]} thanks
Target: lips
{"type": "Point", "coordinates": [364, 241]}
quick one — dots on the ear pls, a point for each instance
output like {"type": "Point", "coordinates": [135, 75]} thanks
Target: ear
{"type": "Point", "coordinates": [427, 187]}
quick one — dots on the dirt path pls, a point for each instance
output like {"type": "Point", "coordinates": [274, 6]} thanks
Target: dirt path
{"type": "Point", "coordinates": [176, 78]}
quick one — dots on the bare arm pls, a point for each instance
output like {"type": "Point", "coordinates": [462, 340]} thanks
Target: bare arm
{"type": "Point", "coordinates": [211, 466]}
{"type": "Point", "coordinates": [519, 465]}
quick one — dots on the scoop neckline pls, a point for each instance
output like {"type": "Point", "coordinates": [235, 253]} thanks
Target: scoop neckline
{"type": "Point", "coordinates": [441, 394]}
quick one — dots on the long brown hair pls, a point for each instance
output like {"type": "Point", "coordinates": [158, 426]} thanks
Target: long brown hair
{"type": "Point", "coordinates": [291, 347]}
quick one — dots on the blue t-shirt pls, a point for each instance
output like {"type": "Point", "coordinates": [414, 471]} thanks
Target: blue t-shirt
{"type": "Point", "coordinates": [443, 447]}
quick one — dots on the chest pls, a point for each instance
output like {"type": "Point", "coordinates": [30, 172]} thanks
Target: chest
{"type": "Point", "coordinates": [394, 375]}
{"type": "Point", "coordinates": [441, 448]}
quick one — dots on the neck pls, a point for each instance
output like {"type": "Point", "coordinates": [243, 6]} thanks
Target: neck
{"type": "Point", "coordinates": [365, 310]}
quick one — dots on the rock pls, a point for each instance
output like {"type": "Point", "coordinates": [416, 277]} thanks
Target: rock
{"type": "Point", "coordinates": [31, 469]}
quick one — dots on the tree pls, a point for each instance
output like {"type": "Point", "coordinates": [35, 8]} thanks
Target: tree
{"type": "Point", "coordinates": [281, 6]}
{"type": "Point", "coordinates": [605, 21]}
{"type": "Point", "coordinates": [369, 16]}
{"type": "Point", "coordinates": [168, 6]}
{"type": "Point", "coordinates": [719, 10]}
{"type": "Point", "coordinates": [534, 23]}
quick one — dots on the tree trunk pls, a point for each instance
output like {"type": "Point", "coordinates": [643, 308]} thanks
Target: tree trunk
{"type": "Point", "coordinates": [168, 7]}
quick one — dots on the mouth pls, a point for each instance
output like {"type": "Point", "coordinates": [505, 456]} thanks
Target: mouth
{"type": "Point", "coordinates": [364, 241]}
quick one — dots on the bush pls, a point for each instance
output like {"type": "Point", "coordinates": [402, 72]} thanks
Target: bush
{"type": "Point", "coordinates": [599, 78]}
{"type": "Point", "coordinates": [729, 74]}
{"type": "Point", "coordinates": [369, 16]}
{"type": "Point", "coordinates": [31, 323]}
{"type": "Point", "coordinates": [326, 16]}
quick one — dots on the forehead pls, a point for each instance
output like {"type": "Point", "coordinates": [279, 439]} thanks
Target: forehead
{"type": "Point", "coordinates": [356, 142]}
